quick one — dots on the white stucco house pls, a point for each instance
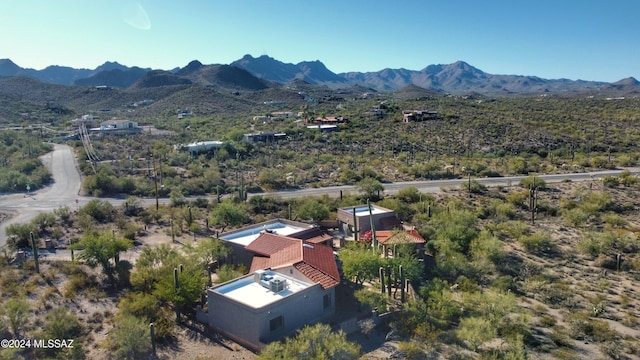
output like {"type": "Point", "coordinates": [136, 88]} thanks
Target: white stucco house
{"type": "Point", "coordinates": [291, 284]}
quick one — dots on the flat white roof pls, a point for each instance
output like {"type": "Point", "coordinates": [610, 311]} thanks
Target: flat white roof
{"type": "Point", "coordinates": [246, 237]}
{"type": "Point", "coordinates": [256, 293]}
{"type": "Point", "coordinates": [364, 210]}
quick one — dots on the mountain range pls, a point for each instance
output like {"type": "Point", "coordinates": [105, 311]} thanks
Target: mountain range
{"type": "Point", "coordinates": [250, 73]}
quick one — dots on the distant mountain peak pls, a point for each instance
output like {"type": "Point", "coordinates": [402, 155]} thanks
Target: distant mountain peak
{"type": "Point", "coordinates": [193, 66]}
{"type": "Point", "coordinates": [9, 68]}
{"type": "Point", "coordinates": [631, 81]}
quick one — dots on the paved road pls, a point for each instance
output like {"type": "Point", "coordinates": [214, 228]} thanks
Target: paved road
{"type": "Point", "coordinates": [67, 181]}
{"type": "Point", "coordinates": [63, 191]}
{"type": "Point", "coordinates": [432, 186]}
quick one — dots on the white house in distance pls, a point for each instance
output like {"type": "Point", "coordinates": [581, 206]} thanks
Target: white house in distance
{"type": "Point", "coordinates": [202, 146]}
{"type": "Point", "coordinates": [291, 284]}
{"type": "Point", "coordinates": [117, 127]}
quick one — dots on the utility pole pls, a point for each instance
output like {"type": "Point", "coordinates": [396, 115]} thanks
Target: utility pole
{"type": "Point", "coordinates": [533, 200]}
{"type": "Point", "coordinates": [155, 180]}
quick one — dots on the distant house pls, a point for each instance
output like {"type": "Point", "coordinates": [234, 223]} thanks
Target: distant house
{"type": "Point", "coordinates": [143, 102]}
{"type": "Point", "coordinates": [182, 114]}
{"type": "Point", "coordinates": [291, 284]}
{"type": "Point", "coordinates": [88, 121]}
{"type": "Point", "coordinates": [117, 127]}
{"type": "Point", "coordinates": [282, 114]}
{"type": "Point", "coordinates": [199, 147]}
{"type": "Point", "coordinates": [324, 128]}
{"type": "Point", "coordinates": [375, 112]}
{"type": "Point", "coordinates": [418, 115]}
{"type": "Point", "coordinates": [260, 118]}
{"type": "Point", "coordinates": [265, 136]}
{"type": "Point", "coordinates": [357, 219]}
{"type": "Point", "coordinates": [328, 120]}
{"type": "Point", "coordinates": [275, 103]}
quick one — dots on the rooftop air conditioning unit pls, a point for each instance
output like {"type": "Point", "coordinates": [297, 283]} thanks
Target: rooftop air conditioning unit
{"type": "Point", "coordinates": [257, 276]}
{"type": "Point", "coordinates": [276, 285]}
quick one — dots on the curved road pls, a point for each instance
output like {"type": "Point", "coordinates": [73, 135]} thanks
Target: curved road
{"type": "Point", "coordinates": [64, 191]}
{"type": "Point", "coordinates": [67, 181]}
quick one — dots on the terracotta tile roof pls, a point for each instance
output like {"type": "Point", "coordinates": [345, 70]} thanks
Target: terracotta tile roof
{"type": "Point", "coordinates": [268, 244]}
{"type": "Point", "coordinates": [314, 236]}
{"type": "Point", "coordinates": [319, 239]}
{"type": "Point", "coordinates": [316, 275]}
{"type": "Point", "coordinates": [322, 259]}
{"type": "Point", "coordinates": [400, 237]}
{"type": "Point", "coordinates": [314, 261]}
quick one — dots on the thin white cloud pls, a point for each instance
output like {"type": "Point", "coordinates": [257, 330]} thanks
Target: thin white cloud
{"type": "Point", "coordinates": [135, 16]}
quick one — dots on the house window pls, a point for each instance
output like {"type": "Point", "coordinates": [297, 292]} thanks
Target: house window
{"type": "Point", "coordinates": [326, 301]}
{"type": "Point", "coordinates": [276, 323]}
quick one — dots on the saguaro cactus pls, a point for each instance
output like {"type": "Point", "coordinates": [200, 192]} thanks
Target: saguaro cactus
{"type": "Point", "coordinates": [401, 271]}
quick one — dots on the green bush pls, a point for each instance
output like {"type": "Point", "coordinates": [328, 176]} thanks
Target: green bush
{"type": "Point", "coordinates": [474, 187]}
{"type": "Point", "coordinates": [575, 217]}
{"type": "Point", "coordinates": [99, 210]}
{"type": "Point", "coordinates": [537, 242]}
{"type": "Point", "coordinates": [506, 210]}
{"type": "Point", "coordinates": [533, 181]}
{"type": "Point", "coordinates": [611, 181]}
{"type": "Point", "coordinates": [517, 198]}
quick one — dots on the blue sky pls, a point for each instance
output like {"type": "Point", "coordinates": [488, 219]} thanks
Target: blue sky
{"type": "Point", "coordinates": [574, 39]}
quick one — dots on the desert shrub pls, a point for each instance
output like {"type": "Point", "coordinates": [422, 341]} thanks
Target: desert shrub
{"type": "Point", "coordinates": [375, 300]}
{"type": "Point", "coordinates": [627, 179]}
{"type": "Point", "coordinates": [613, 349]}
{"type": "Point", "coordinates": [131, 230]}
{"type": "Point", "coordinates": [517, 198]}
{"type": "Point", "coordinates": [474, 187]}
{"type": "Point", "coordinates": [228, 272]}
{"type": "Point", "coordinates": [442, 308]}
{"type": "Point", "coordinates": [590, 245]}
{"type": "Point", "coordinates": [412, 195]}
{"type": "Point", "coordinates": [614, 220]}
{"type": "Point", "coordinates": [147, 307]}
{"type": "Point", "coordinates": [504, 283]}
{"type": "Point", "coordinates": [412, 349]}
{"type": "Point", "coordinates": [626, 160]}
{"type": "Point", "coordinates": [537, 242]}
{"type": "Point", "coordinates": [594, 202]}
{"type": "Point", "coordinates": [78, 282]}
{"type": "Point", "coordinates": [474, 331]}
{"type": "Point", "coordinates": [574, 217]}
{"type": "Point", "coordinates": [583, 327]}
{"type": "Point", "coordinates": [130, 338]}
{"type": "Point", "coordinates": [43, 221]}
{"type": "Point", "coordinates": [547, 321]}
{"type": "Point", "coordinates": [513, 229]}
{"type": "Point", "coordinates": [60, 323]}
{"type": "Point", "coordinates": [487, 246]}
{"type": "Point", "coordinates": [533, 181]}
{"type": "Point", "coordinates": [99, 210]}
{"type": "Point", "coordinates": [613, 241]}
{"type": "Point", "coordinates": [403, 211]}
{"type": "Point", "coordinates": [611, 181]}
{"type": "Point", "coordinates": [505, 210]}
{"type": "Point", "coordinates": [560, 336]}
{"type": "Point", "coordinates": [19, 235]}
